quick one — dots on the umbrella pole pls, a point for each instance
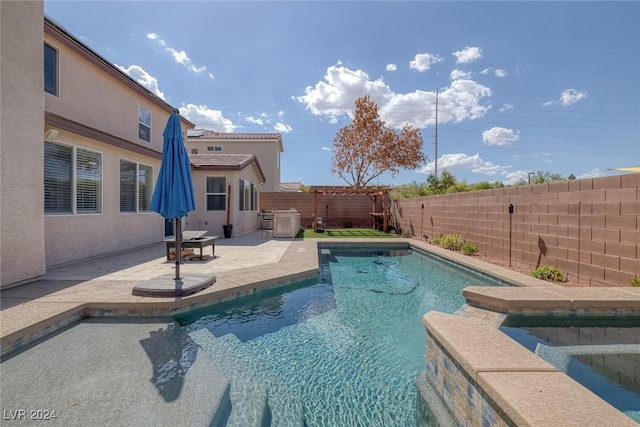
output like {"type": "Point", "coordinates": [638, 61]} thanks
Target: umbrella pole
{"type": "Point", "coordinates": [178, 247]}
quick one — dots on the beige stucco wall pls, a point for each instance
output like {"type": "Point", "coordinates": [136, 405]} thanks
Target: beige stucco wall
{"type": "Point", "coordinates": [91, 96]}
{"type": "Point", "coordinates": [106, 102]}
{"type": "Point", "coordinates": [73, 237]}
{"type": "Point", "coordinates": [212, 221]}
{"type": "Point", "coordinates": [267, 153]}
{"type": "Point", "coordinates": [21, 135]}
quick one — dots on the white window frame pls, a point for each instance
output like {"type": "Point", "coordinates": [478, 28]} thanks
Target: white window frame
{"type": "Point", "coordinates": [138, 182]}
{"type": "Point", "coordinates": [73, 187]}
{"type": "Point", "coordinates": [141, 116]}
{"type": "Point", "coordinates": [56, 71]}
{"type": "Point", "coordinates": [207, 194]}
{"type": "Point", "coordinates": [216, 148]}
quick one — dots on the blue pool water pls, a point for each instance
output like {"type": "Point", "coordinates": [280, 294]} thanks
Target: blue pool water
{"type": "Point", "coordinates": [350, 345]}
{"type": "Point", "coordinates": [601, 354]}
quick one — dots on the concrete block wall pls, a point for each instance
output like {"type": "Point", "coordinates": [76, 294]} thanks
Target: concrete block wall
{"type": "Point", "coordinates": [335, 210]}
{"type": "Point", "coordinates": [588, 228]}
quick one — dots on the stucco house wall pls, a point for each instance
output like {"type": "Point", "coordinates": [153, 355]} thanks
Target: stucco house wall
{"type": "Point", "coordinates": [21, 132]}
{"type": "Point", "coordinates": [71, 237]}
{"type": "Point", "coordinates": [212, 221]}
{"type": "Point", "coordinates": [93, 93]}
{"type": "Point", "coordinates": [97, 109]}
{"type": "Point", "coordinates": [267, 147]}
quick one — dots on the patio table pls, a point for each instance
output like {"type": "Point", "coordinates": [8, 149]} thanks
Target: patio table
{"type": "Point", "coordinates": [200, 242]}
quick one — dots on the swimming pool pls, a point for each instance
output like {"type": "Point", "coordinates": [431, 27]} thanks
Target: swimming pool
{"type": "Point", "coordinates": [346, 349]}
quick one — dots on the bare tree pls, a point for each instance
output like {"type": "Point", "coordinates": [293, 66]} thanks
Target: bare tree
{"type": "Point", "coordinates": [366, 148]}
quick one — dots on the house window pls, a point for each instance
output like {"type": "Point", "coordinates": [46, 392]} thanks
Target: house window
{"type": "Point", "coordinates": [50, 70]}
{"type": "Point", "coordinates": [145, 187]}
{"type": "Point", "coordinates": [194, 151]}
{"type": "Point", "coordinates": [136, 186]}
{"type": "Point", "coordinates": [216, 193]}
{"type": "Point", "coordinates": [88, 181]}
{"type": "Point", "coordinates": [214, 148]}
{"type": "Point", "coordinates": [72, 180]}
{"type": "Point", "coordinates": [144, 124]}
{"type": "Point", "coordinates": [248, 196]}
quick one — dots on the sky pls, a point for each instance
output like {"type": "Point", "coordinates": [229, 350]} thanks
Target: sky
{"type": "Point", "coordinates": [522, 86]}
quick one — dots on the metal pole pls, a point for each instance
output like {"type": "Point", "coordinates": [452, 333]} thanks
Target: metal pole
{"type": "Point", "coordinates": [178, 247]}
{"type": "Point", "coordinates": [436, 154]}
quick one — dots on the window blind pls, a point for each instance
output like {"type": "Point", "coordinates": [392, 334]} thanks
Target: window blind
{"type": "Point", "coordinates": [57, 178]}
{"type": "Point", "coordinates": [88, 181]}
{"type": "Point", "coordinates": [145, 187]}
{"type": "Point", "coordinates": [127, 186]}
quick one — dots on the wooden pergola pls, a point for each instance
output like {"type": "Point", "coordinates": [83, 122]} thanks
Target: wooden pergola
{"type": "Point", "coordinates": [372, 192]}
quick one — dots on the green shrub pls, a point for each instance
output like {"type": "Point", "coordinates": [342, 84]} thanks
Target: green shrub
{"type": "Point", "coordinates": [635, 281]}
{"type": "Point", "coordinates": [452, 242]}
{"type": "Point", "coordinates": [437, 240]}
{"type": "Point", "coordinates": [469, 249]}
{"type": "Point", "coordinates": [548, 273]}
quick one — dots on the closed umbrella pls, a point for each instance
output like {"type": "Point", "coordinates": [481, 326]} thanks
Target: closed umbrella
{"type": "Point", "coordinates": [173, 195]}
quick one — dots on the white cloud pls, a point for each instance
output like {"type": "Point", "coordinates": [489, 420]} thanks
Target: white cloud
{"type": "Point", "coordinates": [205, 118]}
{"type": "Point", "coordinates": [138, 74]}
{"type": "Point", "coordinates": [506, 107]}
{"type": "Point", "coordinates": [180, 56]}
{"type": "Point", "coordinates": [254, 120]}
{"type": "Point", "coordinates": [568, 97]}
{"type": "Point", "coordinates": [594, 173]}
{"type": "Point", "coordinates": [462, 161]}
{"type": "Point", "coordinates": [282, 128]}
{"type": "Point", "coordinates": [326, 148]}
{"type": "Point", "coordinates": [335, 96]}
{"type": "Point", "coordinates": [513, 177]}
{"type": "Point", "coordinates": [571, 96]}
{"type": "Point", "coordinates": [280, 113]}
{"type": "Point", "coordinates": [467, 55]}
{"type": "Point", "coordinates": [499, 136]}
{"type": "Point", "coordinates": [424, 61]}
{"type": "Point", "coordinates": [495, 71]}
{"type": "Point", "coordinates": [459, 74]}
{"type": "Point", "coordinates": [391, 67]}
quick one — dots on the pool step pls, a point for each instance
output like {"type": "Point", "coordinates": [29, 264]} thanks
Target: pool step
{"type": "Point", "coordinates": [286, 408]}
{"type": "Point", "coordinates": [248, 395]}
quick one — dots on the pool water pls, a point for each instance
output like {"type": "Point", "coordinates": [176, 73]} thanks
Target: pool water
{"type": "Point", "coordinates": [602, 354]}
{"type": "Point", "coordinates": [351, 344]}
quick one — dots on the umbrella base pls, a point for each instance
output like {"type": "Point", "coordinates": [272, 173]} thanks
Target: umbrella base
{"type": "Point", "coordinates": [168, 286]}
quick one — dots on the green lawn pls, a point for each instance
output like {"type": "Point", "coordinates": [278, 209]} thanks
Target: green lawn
{"type": "Point", "coordinates": [343, 232]}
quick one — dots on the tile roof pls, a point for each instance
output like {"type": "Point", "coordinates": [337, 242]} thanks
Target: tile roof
{"type": "Point", "coordinates": [240, 160]}
{"type": "Point", "coordinates": [229, 136]}
{"type": "Point", "coordinates": [290, 186]}
{"type": "Point", "coordinates": [226, 162]}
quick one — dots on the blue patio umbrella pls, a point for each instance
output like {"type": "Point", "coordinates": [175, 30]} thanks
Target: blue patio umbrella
{"type": "Point", "coordinates": [173, 195]}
